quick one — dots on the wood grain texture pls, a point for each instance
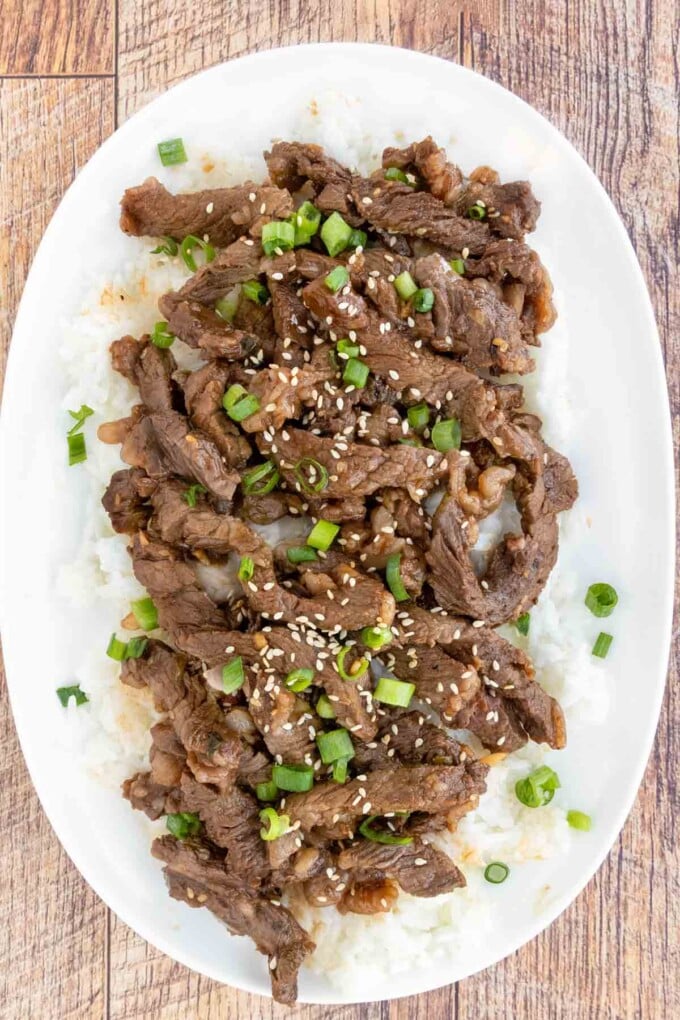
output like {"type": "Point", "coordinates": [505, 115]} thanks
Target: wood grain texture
{"type": "Point", "coordinates": [60, 37]}
{"type": "Point", "coordinates": [607, 75]}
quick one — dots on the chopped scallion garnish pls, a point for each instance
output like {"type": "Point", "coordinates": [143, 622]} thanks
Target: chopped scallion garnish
{"type": "Point", "coordinates": [334, 745]}
{"type": "Point", "coordinates": [357, 239]}
{"type": "Point", "coordinates": [65, 693]}
{"type": "Point", "coordinates": [255, 291]}
{"type": "Point", "coordinates": [446, 435]}
{"type": "Point", "coordinates": [306, 221]}
{"type": "Point", "coordinates": [77, 451]}
{"type": "Point", "coordinates": [393, 576]}
{"type": "Point", "coordinates": [335, 234]}
{"type": "Point", "coordinates": [393, 173]}
{"type": "Point", "coordinates": [161, 336]}
{"type": "Point", "coordinates": [169, 246]}
{"type": "Point", "coordinates": [79, 418]}
{"type": "Point", "coordinates": [418, 416]}
{"type": "Point", "coordinates": [347, 349]}
{"type": "Point", "coordinates": [277, 236]}
{"type": "Point", "coordinates": [601, 599]}
{"type": "Point", "coordinates": [324, 708]}
{"type": "Point", "coordinates": [340, 770]}
{"type": "Point", "coordinates": [322, 535]}
{"type": "Point", "coordinates": [311, 475]}
{"type": "Point", "coordinates": [336, 279]}
{"type": "Point", "coordinates": [523, 623]}
{"type": "Point", "coordinates": [496, 872]}
{"type": "Point", "coordinates": [145, 613]}
{"type": "Point", "coordinates": [227, 307]}
{"type": "Point", "coordinates": [183, 824]}
{"type": "Point", "coordinates": [423, 300]}
{"type": "Point", "coordinates": [239, 404]}
{"type": "Point", "coordinates": [477, 211]}
{"type": "Point", "coordinates": [405, 285]}
{"type": "Point", "coordinates": [136, 647]}
{"type": "Point", "coordinates": [299, 679]}
{"type": "Point", "coordinates": [355, 373]}
{"type": "Point", "coordinates": [186, 250]}
{"type": "Point", "coordinates": [382, 835]}
{"type": "Point", "coordinates": [390, 691]}
{"type": "Point", "coordinates": [246, 568]}
{"type": "Point", "coordinates": [233, 676]}
{"type": "Point", "coordinates": [260, 480]}
{"type": "Point", "coordinates": [274, 825]}
{"type": "Point", "coordinates": [267, 791]}
{"type": "Point", "coordinates": [376, 637]}
{"type": "Point", "coordinates": [172, 152]}
{"type": "Point", "coordinates": [602, 645]}
{"type": "Point", "coordinates": [579, 820]}
{"type": "Point", "coordinates": [293, 778]}
{"type": "Point", "coordinates": [117, 649]}
{"type": "Point", "coordinates": [190, 495]}
{"type": "Point", "coordinates": [301, 554]}
{"type": "Point", "coordinates": [538, 788]}
{"type": "Point", "coordinates": [356, 670]}
{"type": "Point", "coordinates": [458, 266]}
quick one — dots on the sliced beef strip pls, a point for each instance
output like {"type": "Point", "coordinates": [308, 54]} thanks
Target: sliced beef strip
{"type": "Point", "coordinates": [525, 280]}
{"type": "Point", "coordinates": [164, 443]}
{"type": "Point", "coordinates": [409, 739]}
{"type": "Point", "coordinates": [203, 392]}
{"type": "Point", "coordinates": [127, 509]}
{"type": "Point", "coordinates": [493, 721]}
{"type": "Point", "coordinates": [195, 878]}
{"type": "Point", "coordinates": [236, 264]}
{"type": "Point", "coordinates": [291, 322]}
{"type": "Point", "coordinates": [428, 162]}
{"type": "Point", "coordinates": [330, 808]}
{"type": "Point", "coordinates": [155, 792]}
{"type": "Point", "coordinates": [292, 164]}
{"type": "Point", "coordinates": [420, 869]}
{"type": "Point", "coordinates": [285, 721]}
{"type": "Point", "coordinates": [342, 310]}
{"type": "Point", "coordinates": [282, 393]}
{"type": "Point", "coordinates": [470, 321]}
{"type": "Point", "coordinates": [445, 684]}
{"type": "Point", "coordinates": [398, 209]}
{"type": "Point", "coordinates": [512, 210]}
{"type": "Point", "coordinates": [151, 210]}
{"type": "Point", "coordinates": [203, 329]}
{"type": "Point", "coordinates": [356, 469]}
{"type": "Point", "coordinates": [148, 367]}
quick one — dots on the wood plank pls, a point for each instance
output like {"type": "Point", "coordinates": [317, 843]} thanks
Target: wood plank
{"type": "Point", "coordinates": [52, 926]}
{"type": "Point", "coordinates": [59, 37]}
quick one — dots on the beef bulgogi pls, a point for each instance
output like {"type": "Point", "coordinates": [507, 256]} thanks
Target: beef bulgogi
{"type": "Point", "coordinates": [353, 330]}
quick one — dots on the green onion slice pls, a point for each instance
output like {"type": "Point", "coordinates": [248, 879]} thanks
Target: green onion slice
{"type": "Point", "coordinates": [322, 534]}
{"type": "Point", "coordinates": [168, 246]}
{"type": "Point", "coordinates": [136, 647]}
{"type": "Point", "coordinates": [356, 670]}
{"type": "Point", "coordinates": [357, 239]}
{"type": "Point", "coordinates": [405, 285]}
{"type": "Point", "coordinates": [172, 152]}
{"type": "Point", "coordinates": [477, 212]}
{"type": "Point", "coordinates": [293, 778]}
{"type": "Point", "coordinates": [601, 599]}
{"type": "Point", "coordinates": [340, 770]}
{"type": "Point", "coordinates": [299, 679]}
{"type": "Point", "coordinates": [324, 708]}
{"type": "Point", "coordinates": [311, 475]}
{"type": "Point", "coordinates": [355, 373]}
{"type": "Point", "coordinates": [334, 745]}
{"type": "Point", "coordinates": [301, 554]}
{"type": "Point", "coordinates": [393, 173]}
{"type": "Point", "coordinates": [226, 307]}
{"type": "Point", "coordinates": [239, 404]}
{"type": "Point", "coordinates": [578, 820]}
{"type": "Point", "coordinates": [255, 291]}
{"type": "Point", "coordinates": [79, 418]}
{"type": "Point", "coordinates": [145, 613]}
{"type": "Point", "coordinates": [274, 825]}
{"type": "Point", "coordinates": [306, 221]}
{"type": "Point", "coordinates": [418, 416]}
{"type": "Point", "coordinates": [376, 637]}
{"type": "Point", "coordinates": [390, 691]}
{"type": "Point", "coordinates": [191, 494]}
{"type": "Point", "coordinates": [423, 300]}
{"type": "Point", "coordinates": [277, 237]}
{"type": "Point", "coordinates": [246, 568]}
{"type": "Point", "coordinates": [117, 649]}
{"type": "Point", "coordinates": [233, 676]}
{"type": "Point", "coordinates": [446, 435]}
{"type": "Point", "coordinates": [602, 645]}
{"type": "Point", "coordinates": [161, 336]}
{"type": "Point", "coordinates": [522, 623]}
{"type": "Point", "coordinates": [335, 234]}
{"type": "Point", "coordinates": [380, 835]}
{"type": "Point", "coordinates": [64, 693]}
{"type": "Point", "coordinates": [77, 451]}
{"type": "Point", "coordinates": [393, 576]}
{"type": "Point", "coordinates": [186, 250]}
{"type": "Point", "coordinates": [336, 279]}
{"type": "Point", "coordinates": [183, 824]}
{"type": "Point", "coordinates": [458, 266]}
{"type": "Point", "coordinates": [267, 791]}
{"type": "Point", "coordinates": [496, 872]}
{"type": "Point", "coordinates": [538, 788]}
{"type": "Point", "coordinates": [261, 479]}
{"type": "Point", "coordinates": [347, 349]}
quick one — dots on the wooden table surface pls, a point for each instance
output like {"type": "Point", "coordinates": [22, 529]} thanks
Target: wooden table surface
{"type": "Point", "coordinates": [606, 75]}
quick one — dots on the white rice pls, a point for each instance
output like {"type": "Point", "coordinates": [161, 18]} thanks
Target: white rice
{"type": "Point", "coordinates": [112, 729]}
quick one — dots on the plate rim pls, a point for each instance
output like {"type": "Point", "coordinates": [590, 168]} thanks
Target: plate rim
{"type": "Point", "coordinates": [627, 800]}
